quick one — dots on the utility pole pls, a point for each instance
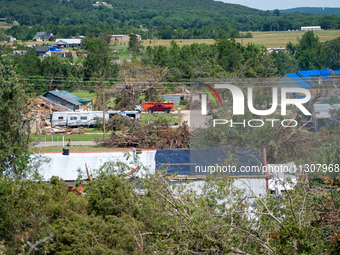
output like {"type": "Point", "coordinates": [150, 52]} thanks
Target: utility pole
{"type": "Point", "coordinates": [104, 113]}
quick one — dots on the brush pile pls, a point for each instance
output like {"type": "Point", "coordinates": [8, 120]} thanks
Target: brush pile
{"type": "Point", "coordinates": [156, 135]}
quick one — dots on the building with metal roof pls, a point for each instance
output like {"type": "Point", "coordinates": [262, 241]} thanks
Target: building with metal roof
{"type": "Point", "coordinates": [78, 99]}
{"type": "Point", "coordinates": [63, 100]}
{"type": "Point", "coordinates": [311, 28]}
{"type": "Point", "coordinates": [69, 100]}
{"type": "Point", "coordinates": [67, 43]}
{"type": "Point", "coordinates": [311, 80]}
{"type": "Point", "coordinates": [56, 106]}
{"type": "Point", "coordinates": [181, 162]}
{"type": "Point", "coordinates": [322, 116]}
{"type": "Point", "coordinates": [68, 167]}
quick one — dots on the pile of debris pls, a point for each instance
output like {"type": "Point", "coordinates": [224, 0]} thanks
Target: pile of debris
{"type": "Point", "coordinates": [157, 135]}
{"type": "Point", "coordinates": [41, 110]}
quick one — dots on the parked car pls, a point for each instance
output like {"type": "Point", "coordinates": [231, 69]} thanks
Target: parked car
{"type": "Point", "coordinates": [159, 108]}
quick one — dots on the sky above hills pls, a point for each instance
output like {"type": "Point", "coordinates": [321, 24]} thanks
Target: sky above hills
{"type": "Point", "coordinates": [286, 4]}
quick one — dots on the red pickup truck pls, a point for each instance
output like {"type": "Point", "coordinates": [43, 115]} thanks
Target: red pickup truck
{"type": "Point", "coordinates": [159, 108]}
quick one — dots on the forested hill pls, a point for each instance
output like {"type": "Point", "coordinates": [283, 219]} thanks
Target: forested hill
{"type": "Point", "coordinates": [314, 10]}
{"type": "Point", "coordinates": [202, 5]}
{"type": "Point", "coordinates": [199, 18]}
{"type": "Point", "coordinates": [56, 12]}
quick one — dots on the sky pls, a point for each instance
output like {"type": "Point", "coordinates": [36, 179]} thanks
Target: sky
{"type": "Point", "coordinates": [285, 4]}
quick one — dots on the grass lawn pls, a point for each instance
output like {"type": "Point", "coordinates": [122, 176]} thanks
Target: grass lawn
{"type": "Point", "coordinates": [145, 117]}
{"type": "Point", "coordinates": [78, 149]}
{"type": "Point", "coordinates": [182, 106]}
{"type": "Point", "coordinates": [75, 138]}
{"type": "Point", "coordinates": [274, 39]}
{"type": "Point", "coordinates": [84, 94]}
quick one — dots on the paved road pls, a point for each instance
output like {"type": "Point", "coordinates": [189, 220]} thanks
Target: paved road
{"type": "Point", "coordinates": [186, 116]}
{"type": "Point", "coordinates": [48, 144]}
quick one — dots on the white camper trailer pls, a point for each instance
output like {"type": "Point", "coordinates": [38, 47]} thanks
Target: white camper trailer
{"type": "Point", "coordinates": [76, 119]}
{"type": "Point", "coordinates": [87, 119]}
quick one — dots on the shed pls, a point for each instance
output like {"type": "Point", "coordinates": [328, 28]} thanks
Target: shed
{"type": "Point", "coordinates": [63, 99]}
{"type": "Point", "coordinates": [322, 117]}
{"type": "Point", "coordinates": [176, 99]}
{"type": "Point", "coordinates": [123, 38]}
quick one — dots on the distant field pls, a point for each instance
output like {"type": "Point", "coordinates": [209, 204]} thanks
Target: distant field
{"type": "Point", "coordinates": [32, 42]}
{"type": "Point", "coordinates": [269, 39]}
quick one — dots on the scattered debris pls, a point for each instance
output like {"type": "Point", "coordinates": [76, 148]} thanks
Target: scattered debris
{"type": "Point", "coordinates": [41, 111]}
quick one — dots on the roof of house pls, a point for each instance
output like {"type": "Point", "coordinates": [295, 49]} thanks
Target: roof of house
{"type": "Point", "coordinates": [321, 111]}
{"type": "Point", "coordinates": [62, 96]}
{"type": "Point", "coordinates": [186, 162]}
{"type": "Point", "coordinates": [306, 79]}
{"type": "Point", "coordinates": [42, 48]}
{"type": "Point", "coordinates": [78, 99]}
{"type": "Point", "coordinates": [299, 80]}
{"type": "Point", "coordinates": [68, 41]}
{"type": "Point", "coordinates": [55, 105]}
{"type": "Point", "coordinates": [42, 34]}
{"type": "Point", "coordinates": [66, 167]}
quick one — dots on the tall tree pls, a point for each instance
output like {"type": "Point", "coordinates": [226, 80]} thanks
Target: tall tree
{"type": "Point", "coordinates": [14, 125]}
{"type": "Point", "coordinates": [99, 61]}
{"type": "Point", "coordinates": [309, 52]}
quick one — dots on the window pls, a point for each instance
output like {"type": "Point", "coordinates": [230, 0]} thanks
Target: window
{"type": "Point", "coordinates": [60, 118]}
{"type": "Point", "coordinates": [83, 117]}
{"type": "Point", "coordinates": [73, 118]}
{"type": "Point", "coordinates": [94, 118]}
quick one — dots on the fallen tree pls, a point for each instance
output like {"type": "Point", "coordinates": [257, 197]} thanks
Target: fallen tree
{"type": "Point", "coordinates": [156, 135]}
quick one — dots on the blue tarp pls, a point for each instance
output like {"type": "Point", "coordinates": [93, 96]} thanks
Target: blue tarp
{"type": "Point", "coordinates": [185, 162]}
{"type": "Point", "coordinates": [310, 73]}
{"type": "Point", "coordinates": [299, 80]}
{"type": "Point", "coordinates": [53, 48]}
{"type": "Point", "coordinates": [336, 117]}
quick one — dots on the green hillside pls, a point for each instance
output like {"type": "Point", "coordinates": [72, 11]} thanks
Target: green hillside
{"type": "Point", "coordinates": [314, 10]}
{"type": "Point", "coordinates": [189, 18]}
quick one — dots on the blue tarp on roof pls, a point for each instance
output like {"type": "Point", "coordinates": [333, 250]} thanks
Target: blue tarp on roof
{"type": "Point", "coordinates": [310, 73]}
{"type": "Point", "coordinates": [78, 99]}
{"type": "Point", "coordinates": [53, 48]}
{"type": "Point", "coordinates": [336, 71]}
{"type": "Point", "coordinates": [336, 117]}
{"type": "Point", "coordinates": [299, 80]}
{"type": "Point", "coordinates": [185, 162]}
